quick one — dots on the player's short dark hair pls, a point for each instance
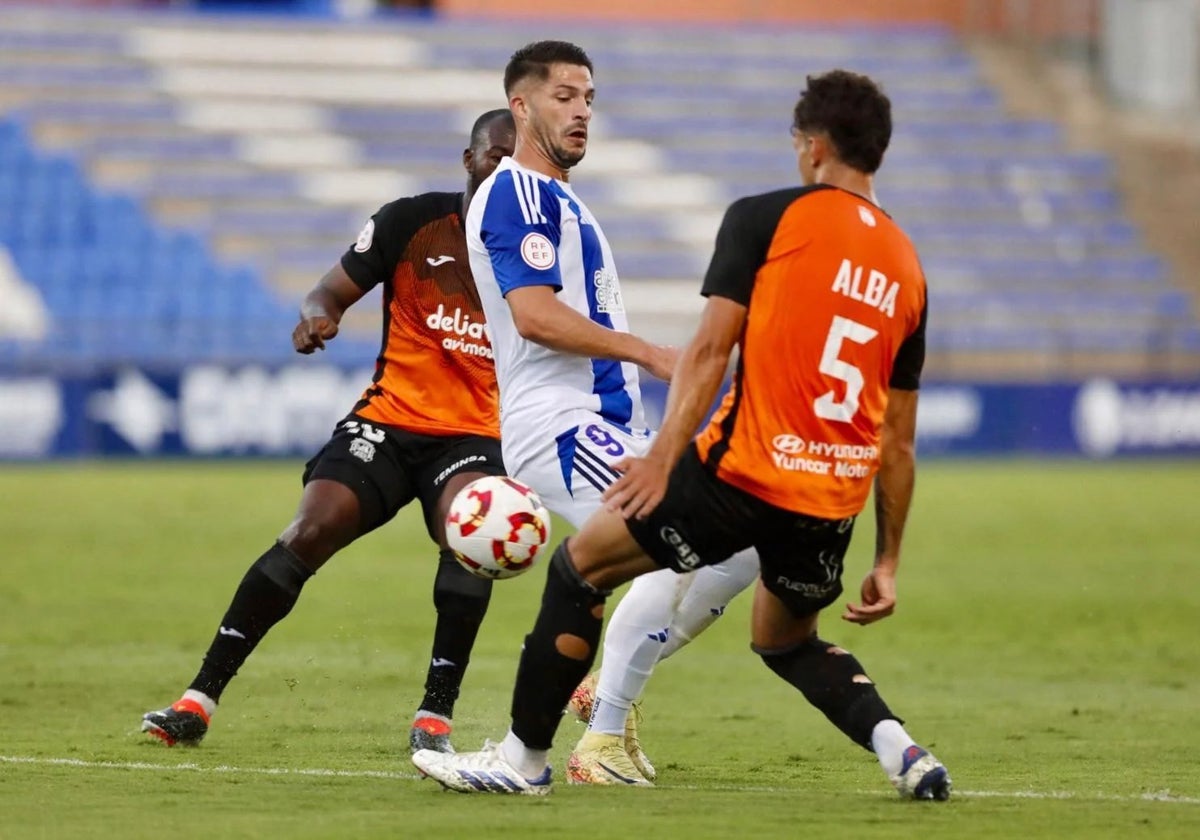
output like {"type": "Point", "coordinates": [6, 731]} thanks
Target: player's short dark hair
{"type": "Point", "coordinates": [480, 128]}
{"type": "Point", "coordinates": [535, 60]}
{"type": "Point", "coordinates": [853, 111]}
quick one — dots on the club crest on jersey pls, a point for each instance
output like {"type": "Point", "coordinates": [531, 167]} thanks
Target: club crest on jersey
{"type": "Point", "coordinates": [365, 237]}
{"type": "Point", "coordinates": [363, 450]}
{"type": "Point", "coordinates": [537, 251]}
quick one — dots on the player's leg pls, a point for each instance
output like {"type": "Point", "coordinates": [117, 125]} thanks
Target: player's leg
{"type": "Point", "coordinates": [554, 658]}
{"type": "Point", "coordinates": [639, 630]}
{"type": "Point", "coordinates": [330, 516]}
{"type": "Point", "coordinates": [633, 643]}
{"type": "Point", "coordinates": [571, 477]}
{"type": "Point", "coordinates": [460, 599]}
{"type": "Point", "coordinates": [800, 576]}
{"type": "Point", "coordinates": [606, 552]}
{"type": "Point", "coordinates": [661, 613]}
{"type": "Point", "coordinates": [705, 599]}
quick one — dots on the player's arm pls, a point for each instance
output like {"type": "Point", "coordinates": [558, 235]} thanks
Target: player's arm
{"type": "Point", "coordinates": [541, 317]}
{"type": "Point", "coordinates": [893, 495]}
{"type": "Point", "coordinates": [894, 481]}
{"type": "Point", "coordinates": [698, 376]}
{"type": "Point", "coordinates": [740, 251]}
{"type": "Point", "coordinates": [322, 309]}
{"type": "Point", "coordinates": [520, 227]}
{"type": "Point", "coordinates": [896, 477]}
{"type": "Point", "coordinates": [371, 260]}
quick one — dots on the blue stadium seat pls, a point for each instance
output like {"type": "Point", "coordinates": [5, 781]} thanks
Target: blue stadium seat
{"type": "Point", "coordinates": [117, 287]}
{"type": "Point", "coordinates": [75, 76]}
{"type": "Point", "coordinates": [74, 43]}
{"type": "Point", "coordinates": [186, 148]}
{"type": "Point", "coordinates": [1025, 242]}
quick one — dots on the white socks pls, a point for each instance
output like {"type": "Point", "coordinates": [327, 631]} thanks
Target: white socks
{"type": "Point", "coordinates": [207, 703]}
{"type": "Point", "coordinates": [529, 763]}
{"type": "Point", "coordinates": [632, 644]}
{"type": "Point", "coordinates": [661, 612]}
{"type": "Point", "coordinates": [713, 587]}
{"type": "Point", "coordinates": [889, 740]}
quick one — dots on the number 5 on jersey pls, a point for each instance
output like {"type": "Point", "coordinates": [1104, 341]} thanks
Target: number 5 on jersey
{"type": "Point", "coordinates": [826, 406]}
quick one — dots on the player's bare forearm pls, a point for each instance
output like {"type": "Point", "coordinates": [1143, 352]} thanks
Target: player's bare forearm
{"type": "Point", "coordinates": [896, 479]}
{"type": "Point", "coordinates": [698, 376]}
{"type": "Point", "coordinates": [697, 379]}
{"type": "Point", "coordinates": [541, 317]}
{"type": "Point", "coordinates": [331, 297]}
{"type": "Point", "coordinates": [318, 303]}
{"type": "Point", "coordinates": [322, 309]}
{"type": "Point", "coordinates": [893, 495]}
{"type": "Point", "coordinates": [570, 332]}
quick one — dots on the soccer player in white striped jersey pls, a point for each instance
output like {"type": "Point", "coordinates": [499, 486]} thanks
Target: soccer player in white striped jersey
{"type": "Point", "coordinates": [570, 404]}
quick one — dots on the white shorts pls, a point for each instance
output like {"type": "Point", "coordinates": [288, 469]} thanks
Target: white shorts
{"type": "Point", "coordinates": [575, 466]}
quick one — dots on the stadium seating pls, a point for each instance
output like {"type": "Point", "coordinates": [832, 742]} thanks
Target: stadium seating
{"type": "Point", "coordinates": [171, 184]}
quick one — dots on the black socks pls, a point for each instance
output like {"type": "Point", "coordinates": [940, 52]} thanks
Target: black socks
{"type": "Point", "coordinates": [461, 600]}
{"type": "Point", "coordinates": [266, 594]}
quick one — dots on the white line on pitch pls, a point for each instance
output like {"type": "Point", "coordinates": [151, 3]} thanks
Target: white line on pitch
{"type": "Point", "coordinates": [1160, 796]}
{"type": "Point", "coordinates": [196, 768]}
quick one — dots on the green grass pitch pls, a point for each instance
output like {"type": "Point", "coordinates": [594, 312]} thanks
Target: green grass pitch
{"type": "Point", "coordinates": [1046, 646]}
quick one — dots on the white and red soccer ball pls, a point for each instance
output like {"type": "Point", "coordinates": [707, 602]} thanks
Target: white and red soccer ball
{"type": "Point", "coordinates": [497, 527]}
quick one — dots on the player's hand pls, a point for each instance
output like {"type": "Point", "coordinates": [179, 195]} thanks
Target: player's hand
{"type": "Point", "coordinates": [662, 361]}
{"type": "Point", "coordinates": [878, 597]}
{"type": "Point", "coordinates": [642, 485]}
{"type": "Point", "coordinates": [312, 333]}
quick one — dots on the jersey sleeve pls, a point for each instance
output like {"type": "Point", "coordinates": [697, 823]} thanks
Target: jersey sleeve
{"type": "Point", "coordinates": [521, 231]}
{"type": "Point", "coordinates": [743, 242]}
{"type": "Point", "coordinates": [372, 259]}
{"type": "Point", "coordinates": [910, 358]}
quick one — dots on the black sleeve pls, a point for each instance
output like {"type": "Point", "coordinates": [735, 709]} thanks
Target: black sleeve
{"type": "Point", "coordinates": [372, 259]}
{"type": "Point", "coordinates": [910, 358]}
{"type": "Point", "coordinates": [743, 241]}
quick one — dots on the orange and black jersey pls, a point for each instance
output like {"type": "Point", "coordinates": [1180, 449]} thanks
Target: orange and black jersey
{"type": "Point", "coordinates": [434, 374]}
{"type": "Point", "coordinates": [836, 316]}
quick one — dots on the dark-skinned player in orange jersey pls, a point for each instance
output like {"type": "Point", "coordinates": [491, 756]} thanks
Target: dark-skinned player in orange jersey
{"type": "Point", "coordinates": [427, 426]}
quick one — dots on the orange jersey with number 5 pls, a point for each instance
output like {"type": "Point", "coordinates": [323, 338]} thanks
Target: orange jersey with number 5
{"type": "Point", "coordinates": [836, 317]}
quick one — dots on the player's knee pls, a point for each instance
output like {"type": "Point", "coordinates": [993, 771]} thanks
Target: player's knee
{"type": "Point", "coordinates": [284, 569]}
{"type": "Point", "coordinates": [572, 646]}
{"type": "Point", "coordinates": [458, 592]}
{"type": "Point", "coordinates": [565, 578]}
{"type": "Point", "coordinates": [572, 611]}
{"type": "Point", "coordinates": [807, 650]}
{"type": "Point", "coordinates": [314, 540]}
{"type": "Point", "coordinates": [834, 681]}
{"type": "Point", "coordinates": [807, 665]}
{"type": "Point", "coordinates": [603, 572]}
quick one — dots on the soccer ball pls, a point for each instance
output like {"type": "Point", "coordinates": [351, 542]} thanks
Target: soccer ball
{"type": "Point", "coordinates": [497, 527]}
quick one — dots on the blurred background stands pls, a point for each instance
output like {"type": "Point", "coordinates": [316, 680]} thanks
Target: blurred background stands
{"type": "Point", "coordinates": [171, 184]}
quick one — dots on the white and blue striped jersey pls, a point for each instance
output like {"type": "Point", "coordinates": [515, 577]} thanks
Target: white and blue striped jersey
{"type": "Point", "coordinates": [527, 229]}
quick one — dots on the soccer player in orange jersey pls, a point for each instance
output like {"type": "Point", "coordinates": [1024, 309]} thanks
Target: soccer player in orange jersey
{"type": "Point", "coordinates": [427, 426]}
{"type": "Point", "coordinates": [825, 298]}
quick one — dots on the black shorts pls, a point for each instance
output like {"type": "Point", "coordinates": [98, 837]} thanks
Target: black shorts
{"type": "Point", "coordinates": [702, 520]}
{"type": "Point", "coordinates": [387, 467]}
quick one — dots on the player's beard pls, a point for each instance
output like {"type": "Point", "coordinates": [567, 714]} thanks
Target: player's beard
{"type": "Point", "coordinates": [566, 158]}
{"type": "Point", "coordinates": [560, 156]}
